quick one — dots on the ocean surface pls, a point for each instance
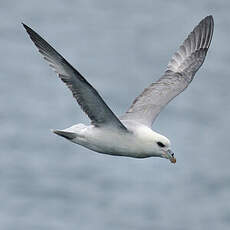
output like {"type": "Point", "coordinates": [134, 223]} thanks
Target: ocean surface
{"type": "Point", "coordinates": [121, 47]}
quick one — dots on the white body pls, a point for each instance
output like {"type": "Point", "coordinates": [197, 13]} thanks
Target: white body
{"type": "Point", "coordinates": [139, 142]}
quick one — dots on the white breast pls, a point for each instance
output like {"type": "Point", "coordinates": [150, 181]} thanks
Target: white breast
{"type": "Point", "coordinates": [137, 143]}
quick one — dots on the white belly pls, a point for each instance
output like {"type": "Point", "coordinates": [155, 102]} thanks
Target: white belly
{"type": "Point", "coordinates": [111, 142]}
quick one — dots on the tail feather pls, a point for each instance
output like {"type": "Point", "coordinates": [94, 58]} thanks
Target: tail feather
{"type": "Point", "coordinates": [67, 135]}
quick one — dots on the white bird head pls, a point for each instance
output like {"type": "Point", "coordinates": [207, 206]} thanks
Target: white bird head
{"type": "Point", "coordinates": [154, 143]}
{"type": "Point", "coordinates": [163, 147]}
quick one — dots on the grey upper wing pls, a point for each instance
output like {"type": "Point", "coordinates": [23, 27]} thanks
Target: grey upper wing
{"type": "Point", "coordinates": [178, 75]}
{"type": "Point", "coordinates": [86, 96]}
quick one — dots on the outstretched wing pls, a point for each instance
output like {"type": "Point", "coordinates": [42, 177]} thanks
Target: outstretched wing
{"type": "Point", "coordinates": [178, 75]}
{"type": "Point", "coordinates": [87, 97]}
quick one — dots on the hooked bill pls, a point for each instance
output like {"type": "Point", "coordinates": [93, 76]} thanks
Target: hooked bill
{"type": "Point", "coordinates": [173, 160]}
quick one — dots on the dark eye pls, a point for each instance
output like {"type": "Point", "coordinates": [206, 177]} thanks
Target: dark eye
{"type": "Point", "coordinates": [161, 144]}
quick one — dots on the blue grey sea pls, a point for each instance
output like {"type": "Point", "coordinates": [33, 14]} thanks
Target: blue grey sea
{"type": "Point", "coordinates": [48, 183]}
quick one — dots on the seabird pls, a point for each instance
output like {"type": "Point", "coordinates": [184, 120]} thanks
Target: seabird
{"type": "Point", "coordinates": [131, 134]}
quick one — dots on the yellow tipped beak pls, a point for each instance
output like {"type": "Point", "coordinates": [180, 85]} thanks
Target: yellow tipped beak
{"type": "Point", "coordinates": [173, 160]}
{"type": "Point", "coordinates": [170, 155]}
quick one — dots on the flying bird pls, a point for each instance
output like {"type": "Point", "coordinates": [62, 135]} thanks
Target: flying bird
{"type": "Point", "coordinates": [131, 134]}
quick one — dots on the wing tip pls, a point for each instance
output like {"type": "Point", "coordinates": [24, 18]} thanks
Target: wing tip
{"type": "Point", "coordinates": [206, 27]}
{"type": "Point", "coordinates": [27, 28]}
{"type": "Point", "coordinates": [209, 20]}
{"type": "Point", "coordinates": [209, 17]}
{"type": "Point", "coordinates": [32, 34]}
{"type": "Point", "coordinates": [199, 39]}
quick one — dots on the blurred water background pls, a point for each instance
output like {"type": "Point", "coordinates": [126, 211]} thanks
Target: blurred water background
{"type": "Point", "coordinates": [120, 46]}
